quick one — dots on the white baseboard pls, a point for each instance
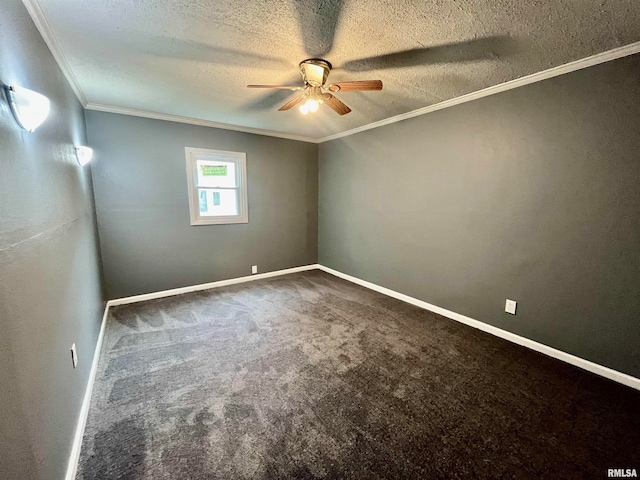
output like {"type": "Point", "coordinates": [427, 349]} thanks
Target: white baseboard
{"type": "Point", "coordinates": [84, 411]}
{"type": "Point", "coordinates": [206, 286]}
{"type": "Point", "coordinates": [86, 402]}
{"type": "Point", "coordinates": [606, 372]}
{"type": "Point", "coordinates": [592, 367]}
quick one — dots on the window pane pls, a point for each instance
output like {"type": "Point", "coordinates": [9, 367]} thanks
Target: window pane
{"type": "Point", "coordinates": [203, 200]}
{"type": "Point", "coordinates": [213, 173]}
{"type": "Point", "coordinates": [218, 202]}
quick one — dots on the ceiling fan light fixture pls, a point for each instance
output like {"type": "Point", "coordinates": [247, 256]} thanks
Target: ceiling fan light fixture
{"type": "Point", "coordinates": [310, 106]}
{"type": "Point", "coordinates": [315, 92]}
{"type": "Point", "coordinates": [313, 105]}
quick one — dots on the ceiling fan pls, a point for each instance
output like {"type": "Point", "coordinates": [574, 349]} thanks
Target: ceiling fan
{"type": "Point", "coordinates": [315, 91]}
{"type": "Point", "coordinates": [318, 20]}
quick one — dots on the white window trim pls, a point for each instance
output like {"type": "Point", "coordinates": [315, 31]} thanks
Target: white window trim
{"type": "Point", "coordinates": [193, 155]}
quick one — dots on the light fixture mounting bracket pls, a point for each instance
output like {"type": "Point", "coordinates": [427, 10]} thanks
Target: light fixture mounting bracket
{"type": "Point", "coordinates": [314, 71]}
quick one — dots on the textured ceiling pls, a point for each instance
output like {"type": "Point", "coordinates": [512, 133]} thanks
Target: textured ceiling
{"type": "Point", "coordinates": [194, 58]}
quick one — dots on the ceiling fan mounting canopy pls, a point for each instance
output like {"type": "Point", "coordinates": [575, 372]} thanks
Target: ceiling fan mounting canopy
{"type": "Point", "coordinates": [315, 71]}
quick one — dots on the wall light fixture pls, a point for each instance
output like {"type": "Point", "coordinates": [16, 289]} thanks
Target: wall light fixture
{"type": "Point", "coordinates": [29, 108]}
{"type": "Point", "coordinates": [84, 154]}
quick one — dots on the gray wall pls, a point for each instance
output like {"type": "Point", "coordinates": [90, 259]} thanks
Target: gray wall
{"type": "Point", "coordinates": [532, 194]}
{"type": "Point", "coordinates": [140, 183]}
{"type": "Point", "coordinates": [49, 266]}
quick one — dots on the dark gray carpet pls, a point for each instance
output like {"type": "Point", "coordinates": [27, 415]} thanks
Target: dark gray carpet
{"type": "Point", "coordinates": [308, 376]}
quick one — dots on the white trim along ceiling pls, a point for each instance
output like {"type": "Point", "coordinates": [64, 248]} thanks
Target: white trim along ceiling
{"type": "Point", "coordinates": [491, 51]}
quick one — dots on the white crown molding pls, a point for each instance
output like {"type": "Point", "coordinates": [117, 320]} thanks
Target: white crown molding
{"type": "Point", "coordinates": [587, 365]}
{"type": "Point", "coordinates": [195, 121]}
{"type": "Point", "coordinates": [37, 15]}
{"type": "Point", "coordinates": [596, 59]}
{"type": "Point", "coordinates": [34, 9]}
{"type": "Point", "coordinates": [502, 87]}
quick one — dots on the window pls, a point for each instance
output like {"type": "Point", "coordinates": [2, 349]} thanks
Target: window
{"type": "Point", "coordinates": [217, 183]}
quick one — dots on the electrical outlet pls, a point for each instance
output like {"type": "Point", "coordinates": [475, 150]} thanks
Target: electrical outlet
{"type": "Point", "coordinates": [254, 268]}
{"type": "Point", "coordinates": [74, 355]}
{"type": "Point", "coordinates": [510, 307]}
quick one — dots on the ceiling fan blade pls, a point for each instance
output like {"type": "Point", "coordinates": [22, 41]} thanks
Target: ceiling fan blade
{"type": "Point", "coordinates": [268, 99]}
{"type": "Point", "coordinates": [357, 86]}
{"type": "Point", "coordinates": [318, 22]}
{"type": "Point", "coordinates": [334, 103]}
{"type": "Point", "coordinates": [291, 103]}
{"type": "Point", "coordinates": [496, 46]}
{"type": "Point", "coordinates": [280, 87]}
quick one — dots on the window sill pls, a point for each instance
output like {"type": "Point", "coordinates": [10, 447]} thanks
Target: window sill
{"type": "Point", "coordinates": [219, 221]}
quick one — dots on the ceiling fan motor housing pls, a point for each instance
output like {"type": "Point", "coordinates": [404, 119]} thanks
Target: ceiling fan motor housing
{"type": "Point", "coordinates": [315, 71]}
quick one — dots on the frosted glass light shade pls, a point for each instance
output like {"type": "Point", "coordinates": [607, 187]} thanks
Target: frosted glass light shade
{"type": "Point", "coordinates": [310, 105]}
{"type": "Point", "coordinates": [84, 154]}
{"type": "Point", "coordinates": [29, 108]}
